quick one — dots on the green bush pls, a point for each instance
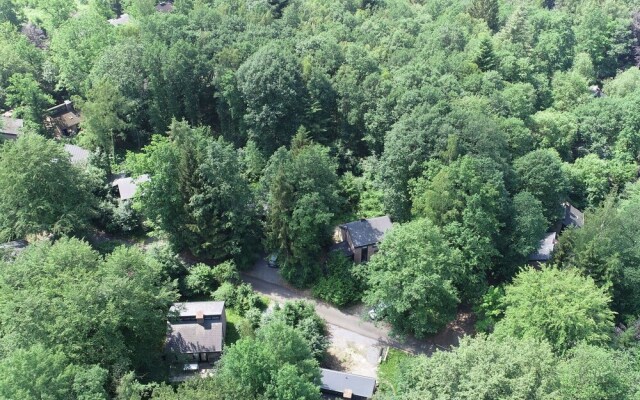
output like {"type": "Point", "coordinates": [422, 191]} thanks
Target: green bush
{"type": "Point", "coordinates": [241, 298]}
{"type": "Point", "coordinates": [490, 310]}
{"type": "Point", "coordinates": [302, 316]}
{"type": "Point", "coordinates": [201, 279]}
{"type": "Point", "coordinates": [227, 293]}
{"type": "Point", "coordinates": [342, 285]}
{"type": "Point", "coordinates": [226, 272]}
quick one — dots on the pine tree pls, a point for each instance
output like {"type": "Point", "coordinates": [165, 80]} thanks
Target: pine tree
{"type": "Point", "coordinates": [486, 59]}
{"type": "Point", "coordinates": [486, 10]}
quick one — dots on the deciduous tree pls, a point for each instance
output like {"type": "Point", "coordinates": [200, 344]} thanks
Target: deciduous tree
{"type": "Point", "coordinates": [560, 306]}
{"type": "Point", "coordinates": [41, 190]}
{"type": "Point", "coordinates": [411, 279]}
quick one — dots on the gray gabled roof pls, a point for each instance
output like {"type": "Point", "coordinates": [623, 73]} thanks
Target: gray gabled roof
{"type": "Point", "coordinates": [192, 308]}
{"type": "Point", "coordinates": [164, 6]}
{"type": "Point", "coordinates": [78, 154]}
{"type": "Point", "coordinates": [121, 20]}
{"type": "Point", "coordinates": [368, 231]}
{"type": "Point", "coordinates": [193, 337]}
{"type": "Point", "coordinates": [11, 126]}
{"type": "Point", "coordinates": [339, 382]}
{"type": "Point", "coordinates": [545, 248]}
{"type": "Point", "coordinates": [572, 216]}
{"type": "Point", "coordinates": [128, 186]}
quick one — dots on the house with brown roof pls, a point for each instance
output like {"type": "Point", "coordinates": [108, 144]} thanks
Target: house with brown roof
{"type": "Point", "coordinates": [195, 334]}
{"type": "Point", "coordinates": [360, 239]}
{"type": "Point", "coordinates": [63, 119]}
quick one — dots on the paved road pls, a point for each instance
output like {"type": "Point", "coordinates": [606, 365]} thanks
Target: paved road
{"type": "Point", "coordinates": [268, 282]}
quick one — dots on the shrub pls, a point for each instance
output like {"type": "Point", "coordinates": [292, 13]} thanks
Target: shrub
{"type": "Point", "coordinates": [241, 298]}
{"type": "Point", "coordinates": [246, 299]}
{"type": "Point", "coordinates": [226, 272]}
{"type": "Point", "coordinates": [302, 316]}
{"type": "Point", "coordinates": [201, 279]}
{"type": "Point", "coordinates": [227, 293]}
{"type": "Point", "coordinates": [341, 285]}
{"type": "Point", "coordinates": [490, 310]}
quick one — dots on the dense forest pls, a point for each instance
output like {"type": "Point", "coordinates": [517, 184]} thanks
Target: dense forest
{"type": "Point", "coordinates": [264, 124]}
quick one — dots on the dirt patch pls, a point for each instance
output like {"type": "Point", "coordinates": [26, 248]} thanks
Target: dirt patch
{"type": "Point", "coordinates": [463, 325]}
{"type": "Point", "coordinates": [350, 352]}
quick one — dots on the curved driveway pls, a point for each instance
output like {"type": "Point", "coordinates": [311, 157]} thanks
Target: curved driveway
{"type": "Point", "coordinates": [267, 281]}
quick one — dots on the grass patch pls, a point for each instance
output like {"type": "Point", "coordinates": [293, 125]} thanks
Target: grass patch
{"type": "Point", "coordinates": [232, 335]}
{"type": "Point", "coordinates": [389, 370]}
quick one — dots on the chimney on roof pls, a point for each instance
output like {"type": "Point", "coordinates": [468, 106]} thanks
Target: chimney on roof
{"type": "Point", "coordinates": [347, 394]}
{"type": "Point", "coordinates": [200, 317]}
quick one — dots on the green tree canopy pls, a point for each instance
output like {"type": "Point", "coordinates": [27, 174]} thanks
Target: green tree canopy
{"type": "Point", "coordinates": [606, 249]}
{"type": "Point", "coordinates": [302, 199]}
{"type": "Point", "coordinates": [197, 193]}
{"type": "Point", "coordinates": [39, 373]}
{"type": "Point", "coordinates": [274, 92]}
{"type": "Point", "coordinates": [30, 101]}
{"type": "Point", "coordinates": [411, 279]}
{"type": "Point", "coordinates": [480, 368]}
{"type": "Point", "coordinates": [468, 201]}
{"type": "Point", "coordinates": [560, 306]}
{"type": "Point", "coordinates": [109, 312]}
{"type": "Point", "coordinates": [41, 190]}
{"type": "Point", "coordinates": [591, 372]}
{"type": "Point", "coordinates": [276, 362]}
{"type": "Point", "coordinates": [540, 173]}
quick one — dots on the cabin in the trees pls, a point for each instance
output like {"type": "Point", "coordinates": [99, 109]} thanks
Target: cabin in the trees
{"type": "Point", "coordinates": [36, 35]}
{"type": "Point", "coordinates": [78, 156]}
{"type": "Point", "coordinates": [361, 238]}
{"type": "Point", "coordinates": [195, 335]}
{"type": "Point", "coordinates": [165, 6]}
{"type": "Point", "coordinates": [573, 218]}
{"type": "Point", "coordinates": [10, 127]}
{"type": "Point", "coordinates": [342, 385]}
{"type": "Point", "coordinates": [545, 249]}
{"type": "Point", "coordinates": [125, 187]}
{"type": "Point", "coordinates": [63, 119]}
{"type": "Point", "coordinates": [123, 19]}
{"type": "Point", "coordinates": [12, 249]}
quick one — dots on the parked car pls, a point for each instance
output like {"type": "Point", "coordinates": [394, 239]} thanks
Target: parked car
{"type": "Point", "coordinates": [272, 260]}
{"type": "Point", "coordinates": [378, 312]}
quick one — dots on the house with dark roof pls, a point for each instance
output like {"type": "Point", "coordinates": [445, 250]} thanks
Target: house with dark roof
{"type": "Point", "coordinates": [63, 119]}
{"type": "Point", "coordinates": [342, 385]}
{"type": "Point", "coordinates": [10, 127]}
{"type": "Point", "coordinates": [195, 334]}
{"type": "Point", "coordinates": [573, 218]}
{"type": "Point", "coordinates": [361, 238]}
